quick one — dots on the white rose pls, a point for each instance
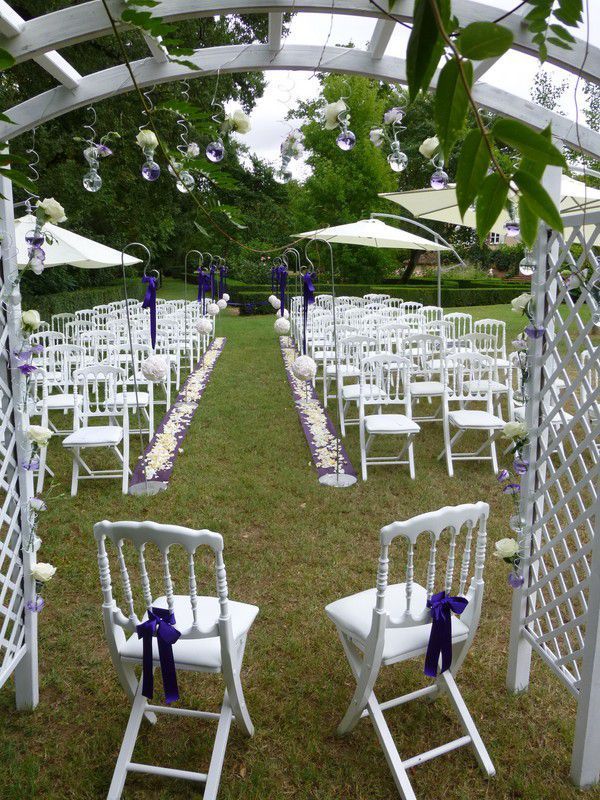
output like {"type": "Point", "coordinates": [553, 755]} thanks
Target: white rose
{"type": "Point", "coordinates": [240, 121]}
{"type": "Point", "coordinates": [43, 572]}
{"type": "Point", "coordinates": [332, 112]}
{"type": "Point", "coordinates": [520, 303]}
{"type": "Point", "coordinates": [506, 548]}
{"type": "Point", "coordinates": [31, 320]}
{"type": "Point", "coordinates": [430, 147]}
{"type": "Point", "coordinates": [147, 139]}
{"type": "Point", "coordinates": [225, 297]}
{"type": "Point", "coordinates": [514, 430]}
{"type": "Point", "coordinates": [376, 136]}
{"type": "Point", "coordinates": [39, 435]}
{"type": "Point", "coordinates": [52, 210]}
{"type": "Point", "coordinates": [193, 150]}
{"type": "Point", "coordinates": [155, 369]}
{"type": "Point", "coordinates": [204, 327]}
{"type": "Point", "coordinates": [304, 368]}
{"type": "Point", "coordinates": [212, 309]}
{"type": "Point", "coordinates": [282, 326]}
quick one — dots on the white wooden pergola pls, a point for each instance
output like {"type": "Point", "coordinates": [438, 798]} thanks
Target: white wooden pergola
{"type": "Point", "coordinates": [556, 613]}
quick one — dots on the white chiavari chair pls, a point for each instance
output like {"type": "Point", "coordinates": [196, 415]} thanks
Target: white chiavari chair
{"type": "Point", "coordinates": [410, 307]}
{"type": "Point", "coordinates": [352, 350]}
{"type": "Point", "coordinates": [431, 313]}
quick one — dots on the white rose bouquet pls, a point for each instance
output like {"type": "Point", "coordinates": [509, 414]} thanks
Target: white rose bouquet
{"type": "Point", "coordinates": [30, 321]}
{"type": "Point", "coordinates": [238, 122]}
{"type": "Point", "coordinates": [41, 574]}
{"type": "Point", "coordinates": [50, 210]}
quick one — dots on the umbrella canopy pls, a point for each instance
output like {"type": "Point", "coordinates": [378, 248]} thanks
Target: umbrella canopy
{"type": "Point", "coordinates": [372, 233]}
{"type": "Point", "coordinates": [441, 205]}
{"type": "Point", "coordinates": [68, 248]}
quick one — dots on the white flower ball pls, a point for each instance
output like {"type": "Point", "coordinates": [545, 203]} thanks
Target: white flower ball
{"type": "Point", "coordinates": [282, 326]}
{"type": "Point", "coordinates": [304, 368]}
{"type": "Point", "coordinates": [155, 369]}
{"type": "Point", "coordinates": [225, 297]}
{"type": "Point", "coordinates": [204, 326]}
{"type": "Point", "coordinates": [212, 309]}
{"type": "Point", "coordinates": [275, 302]}
{"type": "Point", "coordinates": [222, 303]}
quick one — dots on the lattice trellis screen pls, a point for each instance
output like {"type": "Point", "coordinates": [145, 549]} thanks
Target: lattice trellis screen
{"type": "Point", "coordinates": [559, 603]}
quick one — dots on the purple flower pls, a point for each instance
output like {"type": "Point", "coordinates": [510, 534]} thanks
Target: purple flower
{"type": "Point", "coordinates": [103, 150]}
{"type": "Point", "coordinates": [503, 475]}
{"type": "Point", "coordinates": [35, 606]}
{"type": "Point", "coordinates": [519, 344]}
{"type": "Point", "coordinates": [33, 463]}
{"type": "Point", "coordinates": [512, 488]}
{"type": "Point", "coordinates": [515, 580]}
{"type": "Point", "coordinates": [535, 331]}
{"type": "Point", "coordinates": [26, 368]}
{"type": "Point", "coordinates": [520, 466]}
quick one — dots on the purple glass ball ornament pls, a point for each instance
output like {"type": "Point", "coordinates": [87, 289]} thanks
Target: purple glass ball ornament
{"type": "Point", "coordinates": [150, 171]}
{"type": "Point", "coordinates": [439, 179]}
{"type": "Point", "coordinates": [515, 580]}
{"type": "Point", "coordinates": [34, 239]}
{"type": "Point", "coordinates": [346, 140]}
{"type": "Point", "coordinates": [215, 151]}
{"type": "Point", "coordinates": [512, 228]}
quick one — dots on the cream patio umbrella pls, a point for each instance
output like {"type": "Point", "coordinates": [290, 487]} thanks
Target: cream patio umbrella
{"type": "Point", "coordinates": [68, 248]}
{"type": "Point", "coordinates": [372, 233]}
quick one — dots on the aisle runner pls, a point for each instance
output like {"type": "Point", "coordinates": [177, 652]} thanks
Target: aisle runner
{"type": "Point", "coordinates": [155, 465]}
{"type": "Point", "coordinates": [317, 426]}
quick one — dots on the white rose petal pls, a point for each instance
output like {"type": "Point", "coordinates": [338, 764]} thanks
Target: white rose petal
{"type": "Point", "coordinates": [240, 121]}
{"type": "Point", "coordinates": [506, 548]}
{"type": "Point", "coordinates": [38, 434]}
{"type": "Point", "coordinates": [332, 112]}
{"type": "Point", "coordinates": [52, 210]}
{"type": "Point", "coordinates": [31, 319]}
{"type": "Point", "coordinates": [43, 572]}
{"type": "Point", "coordinates": [514, 430]}
{"type": "Point", "coordinates": [520, 303]}
{"type": "Point", "coordinates": [147, 139]}
{"type": "Point", "coordinates": [430, 147]}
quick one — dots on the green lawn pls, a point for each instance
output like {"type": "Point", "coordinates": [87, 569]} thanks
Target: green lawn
{"type": "Point", "coordinates": [291, 547]}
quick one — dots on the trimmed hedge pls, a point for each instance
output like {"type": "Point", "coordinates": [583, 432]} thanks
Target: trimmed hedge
{"type": "Point", "coordinates": [451, 296]}
{"type": "Point", "coordinates": [61, 302]}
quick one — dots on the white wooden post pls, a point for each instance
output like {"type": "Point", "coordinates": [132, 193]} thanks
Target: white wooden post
{"type": "Point", "coordinates": [519, 657]}
{"type": "Point", "coordinates": [26, 671]}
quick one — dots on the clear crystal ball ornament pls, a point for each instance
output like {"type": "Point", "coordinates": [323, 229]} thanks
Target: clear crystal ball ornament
{"type": "Point", "coordinates": [150, 170]}
{"type": "Point", "coordinates": [346, 140]}
{"type": "Point", "coordinates": [215, 151]}
{"type": "Point", "coordinates": [397, 161]}
{"type": "Point", "coordinates": [516, 523]}
{"type": "Point", "coordinates": [186, 182]}
{"type": "Point", "coordinates": [439, 179]}
{"type": "Point", "coordinates": [527, 264]}
{"type": "Point", "coordinates": [92, 182]}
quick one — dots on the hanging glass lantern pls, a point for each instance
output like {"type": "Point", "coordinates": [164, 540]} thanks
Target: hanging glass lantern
{"type": "Point", "coordinates": [397, 159]}
{"type": "Point", "coordinates": [527, 264]}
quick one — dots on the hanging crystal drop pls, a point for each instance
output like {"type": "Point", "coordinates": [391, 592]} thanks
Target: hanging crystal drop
{"type": "Point", "coordinates": [439, 179]}
{"type": "Point", "coordinates": [92, 182]}
{"type": "Point", "coordinates": [186, 182]}
{"type": "Point", "coordinates": [346, 140]}
{"type": "Point", "coordinates": [527, 264]}
{"type": "Point", "coordinates": [215, 151]}
{"type": "Point", "coordinates": [150, 169]}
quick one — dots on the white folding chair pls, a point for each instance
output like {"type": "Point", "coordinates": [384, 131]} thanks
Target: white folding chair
{"type": "Point", "coordinates": [392, 623]}
{"type": "Point", "coordinates": [470, 377]}
{"type": "Point", "coordinates": [352, 349]}
{"type": "Point", "coordinates": [385, 383]}
{"type": "Point", "coordinates": [212, 637]}
{"type": "Point", "coordinates": [410, 307]}
{"type": "Point", "coordinates": [95, 392]}
{"type": "Point", "coordinates": [428, 374]}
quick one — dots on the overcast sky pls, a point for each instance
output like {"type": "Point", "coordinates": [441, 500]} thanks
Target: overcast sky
{"type": "Point", "coordinates": [515, 71]}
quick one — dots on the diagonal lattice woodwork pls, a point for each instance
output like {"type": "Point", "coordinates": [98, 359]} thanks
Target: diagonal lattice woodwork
{"type": "Point", "coordinates": [565, 497]}
{"type": "Point", "coordinates": [12, 600]}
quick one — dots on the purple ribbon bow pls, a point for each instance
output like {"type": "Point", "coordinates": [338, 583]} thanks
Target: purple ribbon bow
{"type": "Point", "coordinates": [440, 639]}
{"type": "Point", "coordinates": [160, 623]}
{"type": "Point", "coordinates": [212, 283]}
{"type": "Point", "coordinates": [149, 301]}
{"type": "Point", "coordinates": [308, 292]}
{"type": "Point", "coordinates": [203, 287]}
{"type": "Point", "coordinates": [282, 276]}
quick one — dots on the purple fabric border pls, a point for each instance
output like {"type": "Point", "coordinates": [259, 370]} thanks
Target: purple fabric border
{"type": "Point", "coordinates": [316, 423]}
{"type": "Point", "coordinates": [160, 454]}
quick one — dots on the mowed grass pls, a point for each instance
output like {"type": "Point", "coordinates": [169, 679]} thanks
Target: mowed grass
{"type": "Point", "coordinates": [291, 546]}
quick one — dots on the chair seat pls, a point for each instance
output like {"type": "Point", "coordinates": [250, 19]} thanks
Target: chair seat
{"type": "Point", "coordinates": [390, 423]}
{"type": "Point", "coordinates": [143, 398]}
{"type": "Point", "coordinates": [319, 355]}
{"type": "Point", "coordinates": [94, 435]}
{"type": "Point", "coordinates": [195, 653]}
{"type": "Point", "coordinates": [470, 418]}
{"type": "Point", "coordinates": [58, 402]}
{"type": "Point", "coordinates": [352, 392]}
{"type": "Point", "coordinates": [482, 386]}
{"type": "Point", "coordinates": [354, 615]}
{"type": "Point", "coordinates": [427, 389]}
{"type": "Point", "coordinates": [346, 370]}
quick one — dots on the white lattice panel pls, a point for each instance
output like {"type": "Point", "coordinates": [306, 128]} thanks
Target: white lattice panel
{"type": "Point", "coordinates": [565, 395]}
{"type": "Point", "coordinates": [12, 627]}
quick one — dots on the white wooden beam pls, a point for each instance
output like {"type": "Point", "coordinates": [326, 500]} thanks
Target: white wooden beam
{"type": "Point", "coordinates": [275, 31]}
{"type": "Point", "coordinates": [158, 50]}
{"type": "Point", "coordinates": [382, 33]}
{"type": "Point", "coordinates": [257, 57]}
{"type": "Point", "coordinates": [59, 68]}
{"type": "Point", "coordinates": [11, 23]}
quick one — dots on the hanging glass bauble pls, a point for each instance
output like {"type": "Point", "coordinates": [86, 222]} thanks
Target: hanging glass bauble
{"type": "Point", "coordinates": [35, 238]}
{"type": "Point", "coordinates": [186, 182]}
{"type": "Point", "coordinates": [150, 169]}
{"type": "Point", "coordinates": [397, 161]}
{"type": "Point", "coordinates": [439, 179]}
{"type": "Point", "coordinates": [92, 182]}
{"type": "Point", "coordinates": [527, 264]}
{"type": "Point", "coordinates": [512, 228]}
{"type": "Point", "coordinates": [215, 151]}
{"type": "Point", "coordinates": [346, 140]}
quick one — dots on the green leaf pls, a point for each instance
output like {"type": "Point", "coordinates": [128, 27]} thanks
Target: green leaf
{"type": "Point", "coordinates": [425, 45]}
{"type": "Point", "coordinates": [528, 222]}
{"type": "Point", "coordinates": [4, 118]}
{"type": "Point", "coordinates": [473, 162]}
{"type": "Point", "coordinates": [6, 59]}
{"type": "Point", "coordinates": [538, 199]}
{"type": "Point", "coordinates": [451, 103]}
{"type": "Point", "coordinates": [19, 179]}
{"type": "Point", "coordinates": [490, 202]}
{"type": "Point", "coordinates": [528, 142]}
{"type": "Point", "coordinates": [202, 230]}
{"type": "Point", "coordinates": [562, 33]}
{"type": "Point", "coordinates": [484, 40]}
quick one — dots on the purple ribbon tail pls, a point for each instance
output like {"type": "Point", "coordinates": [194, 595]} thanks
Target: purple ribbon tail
{"type": "Point", "coordinates": [160, 623]}
{"type": "Point", "coordinates": [440, 638]}
{"type": "Point", "coordinates": [150, 302]}
{"type": "Point", "coordinates": [282, 284]}
{"type": "Point", "coordinates": [308, 292]}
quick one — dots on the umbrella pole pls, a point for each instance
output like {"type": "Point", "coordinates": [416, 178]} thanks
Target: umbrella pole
{"type": "Point", "coordinates": [439, 275]}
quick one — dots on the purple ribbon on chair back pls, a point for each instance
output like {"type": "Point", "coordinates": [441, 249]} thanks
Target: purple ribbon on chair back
{"type": "Point", "coordinates": [282, 282]}
{"type": "Point", "coordinates": [160, 623]}
{"type": "Point", "coordinates": [223, 270]}
{"type": "Point", "coordinates": [149, 301]}
{"type": "Point", "coordinates": [308, 292]}
{"type": "Point", "coordinates": [440, 638]}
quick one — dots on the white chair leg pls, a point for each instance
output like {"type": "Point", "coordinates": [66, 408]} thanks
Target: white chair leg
{"type": "Point", "coordinates": [493, 452]}
{"type": "Point", "coordinates": [213, 776]}
{"type": "Point", "coordinates": [363, 450]}
{"type": "Point", "coordinates": [127, 745]}
{"type": "Point", "coordinates": [235, 693]}
{"type": "Point", "coordinates": [75, 473]}
{"type": "Point", "coordinates": [448, 448]}
{"type": "Point", "coordinates": [365, 675]}
{"type": "Point", "coordinates": [411, 458]}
